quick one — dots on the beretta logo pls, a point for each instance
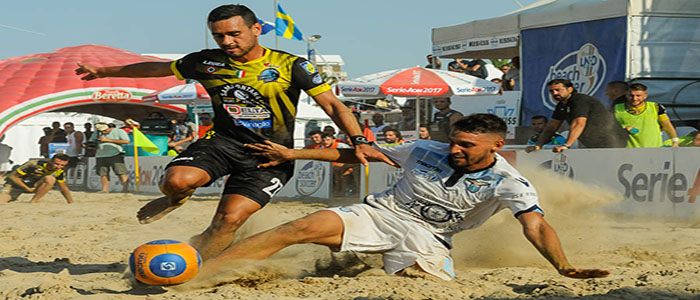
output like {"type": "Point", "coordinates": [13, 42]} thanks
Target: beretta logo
{"type": "Point", "coordinates": [585, 68]}
{"type": "Point", "coordinates": [111, 96]}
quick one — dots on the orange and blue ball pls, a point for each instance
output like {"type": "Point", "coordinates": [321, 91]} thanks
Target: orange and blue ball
{"type": "Point", "coordinates": [164, 262]}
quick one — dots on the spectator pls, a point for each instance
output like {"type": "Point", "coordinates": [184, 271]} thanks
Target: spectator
{"type": "Point", "coordinates": [330, 142]}
{"type": "Point", "coordinates": [316, 139]}
{"type": "Point", "coordinates": [205, 124]}
{"type": "Point", "coordinates": [75, 145]}
{"type": "Point", "coordinates": [496, 80]}
{"type": "Point", "coordinates": [110, 154]}
{"type": "Point", "coordinates": [457, 65]}
{"type": "Point", "coordinates": [443, 120]}
{"type": "Point", "coordinates": [589, 120]}
{"type": "Point", "coordinates": [424, 132]}
{"type": "Point", "coordinates": [378, 120]}
{"type": "Point", "coordinates": [617, 92]}
{"type": "Point", "coordinates": [393, 136]}
{"type": "Point", "coordinates": [408, 118]}
{"type": "Point", "coordinates": [5, 161]}
{"type": "Point", "coordinates": [328, 129]}
{"type": "Point", "coordinates": [45, 140]}
{"type": "Point", "coordinates": [88, 131]}
{"type": "Point", "coordinates": [642, 119]}
{"type": "Point", "coordinates": [504, 69]}
{"type": "Point", "coordinates": [37, 177]}
{"type": "Point", "coordinates": [477, 68]}
{"type": "Point", "coordinates": [433, 62]}
{"type": "Point", "coordinates": [538, 123]}
{"type": "Point", "coordinates": [511, 80]}
{"type": "Point", "coordinates": [183, 133]}
{"type": "Point", "coordinates": [696, 138]}
{"type": "Point", "coordinates": [59, 135]}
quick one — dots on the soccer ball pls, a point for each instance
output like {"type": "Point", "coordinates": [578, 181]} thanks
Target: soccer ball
{"type": "Point", "coordinates": [164, 262]}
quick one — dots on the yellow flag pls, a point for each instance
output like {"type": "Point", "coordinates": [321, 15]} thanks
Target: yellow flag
{"type": "Point", "coordinates": [140, 140]}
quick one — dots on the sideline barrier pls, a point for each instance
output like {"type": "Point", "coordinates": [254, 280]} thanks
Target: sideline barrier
{"type": "Point", "coordinates": [651, 181]}
{"type": "Point", "coordinates": [311, 178]}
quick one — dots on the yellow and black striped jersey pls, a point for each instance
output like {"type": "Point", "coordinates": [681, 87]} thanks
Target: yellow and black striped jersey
{"type": "Point", "coordinates": [33, 170]}
{"type": "Point", "coordinates": [254, 100]}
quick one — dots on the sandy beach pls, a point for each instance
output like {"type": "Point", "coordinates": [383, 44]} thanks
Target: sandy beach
{"type": "Point", "coordinates": [52, 250]}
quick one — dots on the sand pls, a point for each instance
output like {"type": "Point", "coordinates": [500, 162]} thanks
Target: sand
{"type": "Point", "coordinates": [52, 250]}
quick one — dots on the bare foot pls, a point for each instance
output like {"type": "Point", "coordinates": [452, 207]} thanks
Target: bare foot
{"type": "Point", "coordinates": [156, 209]}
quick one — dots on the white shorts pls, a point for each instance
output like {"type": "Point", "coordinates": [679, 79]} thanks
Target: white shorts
{"type": "Point", "coordinates": [402, 243]}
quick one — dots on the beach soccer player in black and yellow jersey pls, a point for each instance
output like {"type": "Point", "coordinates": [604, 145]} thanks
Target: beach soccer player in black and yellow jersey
{"type": "Point", "coordinates": [254, 93]}
{"type": "Point", "coordinates": [37, 177]}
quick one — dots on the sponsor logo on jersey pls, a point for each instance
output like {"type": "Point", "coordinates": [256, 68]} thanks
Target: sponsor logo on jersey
{"type": "Point", "coordinates": [111, 96]}
{"type": "Point", "coordinates": [428, 175]}
{"type": "Point", "coordinates": [240, 93]}
{"type": "Point", "coordinates": [585, 68]}
{"type": "Point", "coordinates": [317, 79]}
{"type": "Point", "coordinates": [269, 65]}
{"type": "Point", "coordinates": [253, 124]}
{"type": "Point", "coordinates": [269, 75]}
{"type": "Point", "coordinates": [213, 63]}
{"type": "Point", "coordinates": [308, 67]}
{"type": "Point", "coordinates": [473, 185]}
{"type": "Point", "coordinates": [243, 112]}
{"type": "Point", "coordinates": [211, 70]}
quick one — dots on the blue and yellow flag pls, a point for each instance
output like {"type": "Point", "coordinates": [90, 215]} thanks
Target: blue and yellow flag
{"type": "Point", "coordinates": [285, 27]}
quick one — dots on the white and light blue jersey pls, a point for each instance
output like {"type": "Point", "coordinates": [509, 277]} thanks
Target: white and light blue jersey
{"type": "Point", "coordinates": [426, 194]}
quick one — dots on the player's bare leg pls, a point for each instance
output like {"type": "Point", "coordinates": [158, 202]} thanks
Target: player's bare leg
{"type": "Point", "coordinates": [232, 212]}
{"type": "Point", "coordinates": [178, 185]}
{"type": "Point", "coordinates": [42, 187]}
{"type": "Point", "coordinates": [322, 227]}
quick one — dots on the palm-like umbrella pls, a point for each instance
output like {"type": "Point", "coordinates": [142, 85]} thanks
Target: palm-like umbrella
{"type": "Point", "coordinates": [418, 82]}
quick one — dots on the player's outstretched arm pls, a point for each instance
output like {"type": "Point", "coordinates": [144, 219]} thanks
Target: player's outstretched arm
{"type": "Point", "coordinates": [278, 154]}
{"type": "Point", "coordinates": [545, 239]}
{"type": "Point", "coordinates": [137, 70]}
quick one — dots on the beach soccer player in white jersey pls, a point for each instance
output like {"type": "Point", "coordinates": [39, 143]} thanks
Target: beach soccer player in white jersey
{"type": "Point", "coordinates": [446, 188]}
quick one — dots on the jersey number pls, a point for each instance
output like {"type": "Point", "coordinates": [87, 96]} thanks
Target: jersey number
{"type": "Point", "coordinates": [274, 188]}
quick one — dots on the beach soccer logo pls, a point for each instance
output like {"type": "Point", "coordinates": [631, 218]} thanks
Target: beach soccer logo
{"type": "Point", "coordinates": [585, 68]}
{"type": "Point", "coordinates": [310, 178]}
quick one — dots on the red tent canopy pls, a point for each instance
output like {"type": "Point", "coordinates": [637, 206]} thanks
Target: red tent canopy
{"type": "Point", "coordinates": [44, 82]}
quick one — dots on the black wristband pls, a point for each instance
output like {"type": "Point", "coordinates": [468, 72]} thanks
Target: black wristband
{"type": "Point", "coordinates": [359, 140]}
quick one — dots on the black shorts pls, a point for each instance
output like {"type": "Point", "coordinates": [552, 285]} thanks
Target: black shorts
{"type": "Point", "coordinates": [220, 156]}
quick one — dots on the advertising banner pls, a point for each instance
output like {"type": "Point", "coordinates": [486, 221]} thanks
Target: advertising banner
{"type": "Point", "coordinates": [477, 44]}
{"type": "Point", "coordinates": [311, 178]}
{"type": "Point", "coordinates": [650, 181]}
{"type": "Point", "coordinates": [590, 54]}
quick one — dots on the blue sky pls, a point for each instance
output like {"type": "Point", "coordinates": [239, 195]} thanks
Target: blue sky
{"type": "Point", "coordinates": [371, 36]}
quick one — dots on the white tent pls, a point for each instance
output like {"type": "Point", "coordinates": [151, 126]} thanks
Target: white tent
{"type": "Point", "coordinates": [660, 40]}
{"type": "Point", "coordinates": [663, 29]}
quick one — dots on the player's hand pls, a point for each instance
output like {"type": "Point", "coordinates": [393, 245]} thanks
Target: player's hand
{"type": "Point", "coordinates": [276, 153]}
{"type": "Point", "coordinates": [559, 148]}
{"type": "Point", "coordinates": [365, 153]}
{"type": "Point", "coordinates": [529, 149]}
{"type": "Point", "coordinates": [584, 273]}
{"type": "Point", "coordinates": [92, 72]}
{"type": "Point", "coordinates": [31, 189]}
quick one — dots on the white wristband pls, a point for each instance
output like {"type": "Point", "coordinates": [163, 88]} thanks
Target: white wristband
{"type": "Point", "coordinates": [675, 140]}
